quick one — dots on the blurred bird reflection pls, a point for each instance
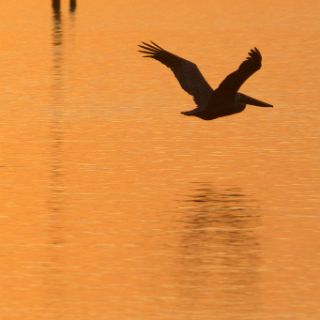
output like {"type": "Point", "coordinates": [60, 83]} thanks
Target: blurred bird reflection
{"type": "Point", "coordinates": [219, 249]}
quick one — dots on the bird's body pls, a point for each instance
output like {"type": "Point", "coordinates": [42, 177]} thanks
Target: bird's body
{"type": "Point", "coordinates": [211, 104]}
{"type": "Point", "coordinates": [217, 107]}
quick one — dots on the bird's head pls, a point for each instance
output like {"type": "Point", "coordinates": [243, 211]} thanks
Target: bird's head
{"type": "Point", "coordinates": [244, 99]}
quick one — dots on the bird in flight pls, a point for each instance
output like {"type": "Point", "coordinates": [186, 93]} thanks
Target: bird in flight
{"type": "Point", "coordinates": [210, 104]}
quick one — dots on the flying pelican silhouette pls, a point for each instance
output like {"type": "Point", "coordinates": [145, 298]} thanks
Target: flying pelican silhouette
{"type": "Point", "coordinates": [211, 104]}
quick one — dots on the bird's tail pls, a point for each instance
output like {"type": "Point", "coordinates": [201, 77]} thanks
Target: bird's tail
{"type": "Point", "coordinates": [187, 113]}
{"type": "Point", "coordinates": [192, 112]}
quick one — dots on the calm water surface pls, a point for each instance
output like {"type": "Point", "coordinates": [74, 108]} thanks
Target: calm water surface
{"type": "Point", "coordinates": [116, 207]}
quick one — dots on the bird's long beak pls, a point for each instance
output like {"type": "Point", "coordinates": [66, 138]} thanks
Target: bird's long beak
{"type": "Point", "coordinates": [254, 102]}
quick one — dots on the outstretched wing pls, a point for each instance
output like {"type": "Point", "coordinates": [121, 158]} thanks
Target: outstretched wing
{"type": "Point", "coordinates": [187, 73]}
{"type": "Point", "coordinates": [232, 83]}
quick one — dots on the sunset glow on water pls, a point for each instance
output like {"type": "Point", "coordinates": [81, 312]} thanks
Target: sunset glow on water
{"type": "Point", "coordinates": [114, 206]}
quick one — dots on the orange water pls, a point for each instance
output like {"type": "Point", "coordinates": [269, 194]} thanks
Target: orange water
{"type": "Point", "coordinates": [116, 207]}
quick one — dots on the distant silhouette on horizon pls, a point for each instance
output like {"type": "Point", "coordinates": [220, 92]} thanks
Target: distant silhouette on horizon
{"type": "Point", "coordinates": [211, 104]}
{"type": "Point", "coordinates": [73, 6]}
{"type": "Point", "coordinates": [56, 5]}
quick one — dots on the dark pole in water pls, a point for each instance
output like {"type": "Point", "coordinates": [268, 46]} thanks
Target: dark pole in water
{"type": "Point", "coordinates": [56, 5]}
{"type": "Point", "coordinates": [73, 5]}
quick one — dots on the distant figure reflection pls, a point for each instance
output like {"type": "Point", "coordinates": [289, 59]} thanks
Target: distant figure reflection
{"type": "Point", "coordinates": [56, 202]}
{"type": "Point", "coordinates": [219, 248]}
